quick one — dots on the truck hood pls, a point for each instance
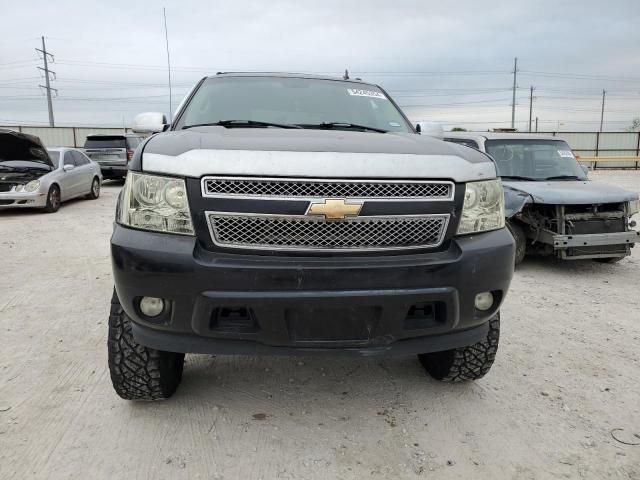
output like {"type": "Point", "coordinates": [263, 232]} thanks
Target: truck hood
{"type": "Point", "coordinates": [564, 192]}
{"type": "Point", "coordinates": [311, 153]}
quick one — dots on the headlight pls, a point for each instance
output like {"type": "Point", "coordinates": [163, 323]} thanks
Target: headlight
{"type": "Point", "coordinates": [634, 207]}
{"type": "Point", "coordinates": [19, 188]}
{"type": "Point", "coordinates": [483, 208]}
{"type": "Point", "coordinates": [32, 186]}
{"type": "Point", "coordinates": [155, 203]}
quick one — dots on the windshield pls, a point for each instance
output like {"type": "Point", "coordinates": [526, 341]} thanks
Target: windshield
{"type": "Point", "coordinates": [534, 159]}
{"type": "Point", "coordinates": [292, 101]}
{"type": "Point", "coordinates": [55, 157]}
{"type": "Point", "coordinates": [105, 142]}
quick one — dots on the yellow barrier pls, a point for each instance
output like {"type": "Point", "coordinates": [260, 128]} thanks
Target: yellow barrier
{"type": "Point", "coordinates": [596, 160]}
{"type": "Point", "coordinates": [608, 159]}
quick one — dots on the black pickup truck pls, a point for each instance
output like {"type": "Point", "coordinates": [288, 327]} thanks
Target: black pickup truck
{"type": "Point", "coordinates": [297, 214]}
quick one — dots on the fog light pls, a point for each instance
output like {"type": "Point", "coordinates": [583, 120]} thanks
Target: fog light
{"type": "Point", "coordinates": [152, 306]}
{"type": "Point", "coordinates": [484, 301]}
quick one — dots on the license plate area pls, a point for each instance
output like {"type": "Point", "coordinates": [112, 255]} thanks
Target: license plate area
{"type": "Point", "coordinates": [344, 324]}
{"type": "Point", "coordinates": [325, 318]}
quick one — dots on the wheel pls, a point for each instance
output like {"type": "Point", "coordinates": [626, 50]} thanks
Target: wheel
{"type": "Point", "coordinates": [138, 372]}
{"type": "Point", "coordinates": [53, 199]}
{"type": "Point", "coordinates": [521, 241]}
{"type": "Point", "coordinates": [95, 189]}
{"type": "Point", "coordinates": [608, 260]}
{"type": "Point", "coordinates": [465, 363]}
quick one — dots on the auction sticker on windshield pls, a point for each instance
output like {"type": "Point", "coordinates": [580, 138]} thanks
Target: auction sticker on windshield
{"type": "Point", "coordinates": [565, 153]}
{"type": "Point", "coordinates": [358, 92]}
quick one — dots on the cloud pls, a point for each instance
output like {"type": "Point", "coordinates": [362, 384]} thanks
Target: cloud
{"type": "Point", "coordinates": [115, 51]}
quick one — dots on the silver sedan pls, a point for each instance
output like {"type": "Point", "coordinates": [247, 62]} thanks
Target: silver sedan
{"type": "Point", "coordinates": [72, 174]}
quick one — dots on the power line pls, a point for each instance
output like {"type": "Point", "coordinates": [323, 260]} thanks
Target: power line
{"type": "Point", "coordinates": [513, 104]}
{"type": "Point", "coordinates": [582, 76]}
{"type": "Point", "coordinates": [166, 37]}
{"type": "Point", "coordinates": [47, 85]}
{"type": "Point", "coordinates": [530, 105]}
{"type": "Point", "coordinates": [604, 94]}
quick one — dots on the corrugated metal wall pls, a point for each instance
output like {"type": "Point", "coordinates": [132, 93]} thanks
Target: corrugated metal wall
{"type": "Point", "coordinates": [603, 144]}
{"type": "Point", "coordinates": [65, 136]}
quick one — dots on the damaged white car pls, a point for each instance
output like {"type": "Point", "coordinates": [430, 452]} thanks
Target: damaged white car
{"type": "Point", "coordinates": [552, 207]}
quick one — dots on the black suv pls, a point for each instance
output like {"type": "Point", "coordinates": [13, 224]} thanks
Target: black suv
{"type": "Point", "coordinates": [297, 214]}
{"type": "Point", "coordinates": [112, 152]}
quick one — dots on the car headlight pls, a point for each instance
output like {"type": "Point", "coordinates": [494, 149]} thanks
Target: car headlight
{"type": "Point", "coordinates": [150, 202]}
{"type": "Point", "coordinates": [483, 208]}
{"type": "Point", "coordinates": [32, 186]}
{"type": "Point", "coordinates": [19, 188]}
{"type": "Point", "coordinates": [634, 207]}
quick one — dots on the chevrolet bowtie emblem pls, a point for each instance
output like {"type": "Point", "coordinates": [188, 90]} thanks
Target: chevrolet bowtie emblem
{"type": "Point", "coordinates": [335, 209]}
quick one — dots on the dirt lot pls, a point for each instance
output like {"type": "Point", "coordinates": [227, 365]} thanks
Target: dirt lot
{"type": "Point", "coordinates": [566, 375]}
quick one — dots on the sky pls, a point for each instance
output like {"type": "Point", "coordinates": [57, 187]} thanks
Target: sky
{"type": "Point", "coordinates": [449, 62]}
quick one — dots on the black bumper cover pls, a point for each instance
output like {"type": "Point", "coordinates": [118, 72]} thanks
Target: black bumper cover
{"type": "Point", "coordinates": [307, 305]}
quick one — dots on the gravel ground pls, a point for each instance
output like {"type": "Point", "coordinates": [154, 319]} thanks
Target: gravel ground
{"type": "Point", "coordinates": [566, 375]}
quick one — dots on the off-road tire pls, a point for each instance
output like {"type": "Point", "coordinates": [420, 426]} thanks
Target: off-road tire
{"type": "Point", "coordinates": [53, 199]}
{"type": "Point", "coordinates": [95, 189]}
{"type": "Point", "coordinates": [521, 241]}
{"type": "Point", "coordinates": [465, 363]}
{"type": "Point", "coordinates": [138, 372]}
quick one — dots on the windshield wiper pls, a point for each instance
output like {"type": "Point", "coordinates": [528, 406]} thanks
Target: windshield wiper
{"type": "Point", "coordinates": [564, 177]}
{"type": "Point", "coordinates": [241, 123]}
{"type": "Point", "coordinates": [338, 125]}
{"type": "Point", "coordinates": [519, 177]}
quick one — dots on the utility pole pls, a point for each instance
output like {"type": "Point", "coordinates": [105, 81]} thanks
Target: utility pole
{"type": "Point", "coordinates": [604, 94]}
{"type": "Point", "coordinates": [166, 39]}
{"type": "Point", "coordinates": [513, 103]}
{"type": "Point", "coordinates": [536, 124]}
{"type": "Point", "coordinates": [47, 85]}
{"type": "Point", "coordinates": [531, 89]}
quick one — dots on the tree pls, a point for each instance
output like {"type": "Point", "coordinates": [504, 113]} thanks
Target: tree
{"type": "Point", "coordinates": [458, 129]}
{"type": "Point", "coordinates": [635, 125]}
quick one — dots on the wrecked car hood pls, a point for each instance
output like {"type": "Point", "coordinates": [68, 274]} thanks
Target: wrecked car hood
{"type": "Point", "coordinates": [20, 151]}
{"type": "Point", "coordinates": [563, 192]}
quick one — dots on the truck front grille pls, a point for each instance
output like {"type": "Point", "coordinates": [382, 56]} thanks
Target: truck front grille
{"type": "Point", "coordinates": [294, 232]}
{"type": "Point", "coordinates": [311, 188]}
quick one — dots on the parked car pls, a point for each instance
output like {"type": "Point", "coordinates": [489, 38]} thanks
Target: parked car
{"type": "Point", "coordinates": [112, 152]}
{"type": "Point", "coordinates": [32, 176]}
{"type": "Point", "coordinates": [299, 214]}
{"type": "Point", "coordinates": [551, 205]}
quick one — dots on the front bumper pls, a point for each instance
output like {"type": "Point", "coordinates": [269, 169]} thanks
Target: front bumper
{"type": "Point", "coordinates": [22, 200]}
{"type": "Point", "coordinates": [278, 304]}
{"type": "Point", "coordinates": [591, 245]}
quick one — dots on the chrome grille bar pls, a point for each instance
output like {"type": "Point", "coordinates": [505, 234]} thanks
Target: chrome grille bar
{"type": "Point", "coordinates": [298, 232]}
{"type": "Point", "coordinates": [298, 188]}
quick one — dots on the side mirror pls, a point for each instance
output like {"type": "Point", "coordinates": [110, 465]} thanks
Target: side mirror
{"type": "Point", "coordinates": [418, 128]}
{"type": "Point", "coordinates": [68, 167]}
{"type": "Point", "coordinates": [149, 122]}
{"type": "Point", "coordinates": [431, 129]}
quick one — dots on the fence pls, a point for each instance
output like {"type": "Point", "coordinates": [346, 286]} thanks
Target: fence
{"type": "Point", "coordinates": [66, 136]}
{"type": "Point", "coordinates": [585, 144]}
{"type": "Point", "coordinates": [603, 144]}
